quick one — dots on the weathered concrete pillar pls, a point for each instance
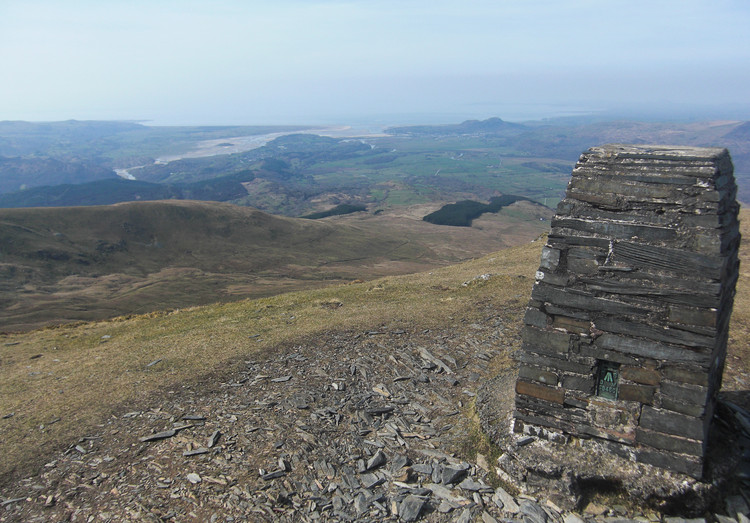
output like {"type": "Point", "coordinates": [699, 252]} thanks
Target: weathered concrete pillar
{"type": "Point", "coordinates": [626, 331]}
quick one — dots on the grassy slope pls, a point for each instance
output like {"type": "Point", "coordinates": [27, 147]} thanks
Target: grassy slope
{"type": "Point", "coordinates": [62, 265]}
{"type": "Point", "coordinates": [79, 375]}
{"type": "Point", "coordinates": [139, 257]}
{"type": "Point", "coordinates": [82, 374]}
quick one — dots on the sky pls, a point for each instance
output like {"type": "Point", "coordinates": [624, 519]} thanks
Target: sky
{"type": "Point", "coordinates": [223, 62]}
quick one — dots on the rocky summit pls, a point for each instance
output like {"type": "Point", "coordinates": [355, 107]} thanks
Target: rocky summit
{"type": "Point", "coordinates": [348, 426]}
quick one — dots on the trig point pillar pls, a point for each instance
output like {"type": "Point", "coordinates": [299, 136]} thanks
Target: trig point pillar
{"type": "Point", "coordinates": [626, 332]}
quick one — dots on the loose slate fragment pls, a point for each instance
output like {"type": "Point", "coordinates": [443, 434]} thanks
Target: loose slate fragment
{"type": "Point", "coordinates": [376, 460]}
{"type": "Point", "coordinates": [382, 390]}
{"type": "Point", "coordinates": [214, 438]}
{"type": "Point", "coordinates": [473, 486]}
{"type": "Point", "coordinates": [281, 379]}
{"type": "Point", "coordinates": [410, 507]}
{"type": "Point", "coordinates": [381, 410]}
{"type": "Point", "coordinates": [273, 475]}
{"type": "Point", "coordinates": [533, 511]}
{"type": "Point", "coordinates": [453, 474]}
{"type": "Point", "coordinates": [11, 501]}
{"type": "Point", "coordinates": [427, 356]}
{"type": "Point", "coordinates": [505, 501]}
{"type": "Point", "coordinates": [370, 480]}
{"type": "Point", "coordinates": [196, 452]}
{"type": "Point", "coordinates": [159, 435]}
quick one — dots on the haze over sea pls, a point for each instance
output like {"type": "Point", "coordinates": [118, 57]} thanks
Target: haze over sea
{"type": "Point", "coordinates": [252, 62]}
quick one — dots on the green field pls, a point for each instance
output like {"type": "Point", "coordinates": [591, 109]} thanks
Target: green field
{"type": "Point", "coordinates": [285, 172]}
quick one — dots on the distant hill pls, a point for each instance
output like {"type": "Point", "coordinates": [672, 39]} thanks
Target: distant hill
{"type": "Point", "coordinates": [114, 143]}
{"type": "Point", "coordinates": [301, 174]}
{"type": "Point", "coordinates": [117, 190]}
{"type": "Point", "coordinates": [58, 139]}
{"type": "Point", "coordinates": [489, 126]}
{"type": "Point", "coordinates": [21, 173]}
{"type": "Point", "coordinates": [67, 264]}
{"type": "Point", "coordinates": [102, 192]}
{"type": "Point", "coordinates": [741, 132]}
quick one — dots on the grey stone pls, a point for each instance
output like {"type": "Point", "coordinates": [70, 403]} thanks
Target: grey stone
{"type": "Point", "coordinates": [570, 517]}
{"type": "Point", "coordinates": [443, 492]}
{"type": "Point", "coordinates": [398, 462]}
{"type": "Point", "coordinates": [473, 486]}
{"type": "Point", "coordinates": [422, 468]}
{"type": "Point", "coordinates": [533, 511]}
{"type": "Point", "coordinates": [159, 435]}
{"type": "Point", "coordinates": [735, 505]}
{"type": "Point", "coordinates": [410, 507]}
{"type": "Point", "coordinates": [268, 476]}
{"type": "Point", "coordinates": [361, 505]}
{"type": "Point", "coordinates": [672, 423]}
{"type": "Point", "coordinates": [376, 460]}
{"type": "Point", "coordinates": [452, 474]}
{"type": "Point", "coordinates": [213, 439]}
{"type": "Point", "coordinates": [487, 518]}
{"type": "Point", "coordinates": [195, 452]}
{"type": "Point", "coordinates": [370, 480]}
{"type": "Point", "coordinates": [505, 501]}
{"type": "Point", "coordinates": [437, 473]}
{"type": "Point", "coordinates": [465, 516]}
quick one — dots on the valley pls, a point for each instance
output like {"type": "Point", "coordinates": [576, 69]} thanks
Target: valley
{"type": "Point", "coordinates": [212, 215]}
{"type": "Point", "coordinates": [294, 171]}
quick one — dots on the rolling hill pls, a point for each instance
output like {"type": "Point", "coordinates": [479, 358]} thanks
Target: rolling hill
{"type": "Point", "coordinates": [67, 264]}
{"type": "Point", "coordinates": [70, 264]}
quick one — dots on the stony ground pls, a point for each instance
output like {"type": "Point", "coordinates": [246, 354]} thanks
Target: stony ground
{"type": "Point", "coordinates": [364, 426]}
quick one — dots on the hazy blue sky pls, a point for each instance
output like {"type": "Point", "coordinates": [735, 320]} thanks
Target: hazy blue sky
{"type": "Point", "coordinates": [323, 61]}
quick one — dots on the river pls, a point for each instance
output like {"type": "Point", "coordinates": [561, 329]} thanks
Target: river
{"type": "Point", "coordinates": [240, 144]}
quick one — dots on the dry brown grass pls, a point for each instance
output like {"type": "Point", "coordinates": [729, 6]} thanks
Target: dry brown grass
{"type": "Point", "coordinates": [737, 368]}
{"type": "Point", "coordinates": [94, 263]}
